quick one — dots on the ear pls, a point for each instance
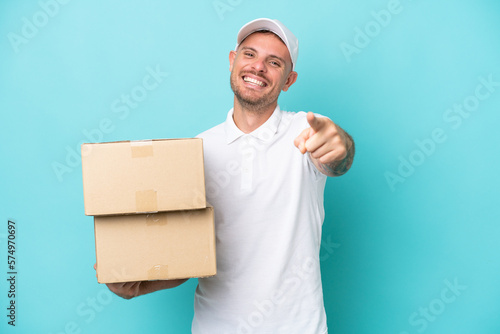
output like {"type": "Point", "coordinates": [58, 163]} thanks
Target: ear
{"type": "Point", "coordinates": [232, 56]}
{"type": "Point", "coordinates": [292, 77]}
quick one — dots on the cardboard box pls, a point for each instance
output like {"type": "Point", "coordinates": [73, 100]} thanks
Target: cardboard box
{"type": "Point", "coordinates": [143, 176]}
{"type": "Point", "coordinates": [165, 245]}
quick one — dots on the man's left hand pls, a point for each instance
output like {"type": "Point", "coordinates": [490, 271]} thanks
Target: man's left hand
{"type": "Point", "coordinates": [331, 148]}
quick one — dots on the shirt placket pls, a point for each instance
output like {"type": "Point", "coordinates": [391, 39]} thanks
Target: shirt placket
{"type": "Point", "coordinates": [248, 153]}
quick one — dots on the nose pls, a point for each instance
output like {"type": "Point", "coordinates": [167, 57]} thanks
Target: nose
{"type": "Point", "coordinates": [259, 65]}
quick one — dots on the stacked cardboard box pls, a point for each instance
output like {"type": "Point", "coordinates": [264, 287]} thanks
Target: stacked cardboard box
{"type": "Point", "coordinates": [151, 219]}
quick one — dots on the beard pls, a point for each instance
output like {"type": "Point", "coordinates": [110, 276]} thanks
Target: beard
{"type": "Point", "coordinates": [248, 101]}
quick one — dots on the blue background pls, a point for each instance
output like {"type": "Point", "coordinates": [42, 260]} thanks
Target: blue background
{"type": "Point", "coordinates": [392, 245]}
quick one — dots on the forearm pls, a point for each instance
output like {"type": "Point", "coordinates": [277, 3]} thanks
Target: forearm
{"type": "Point", "coordinates": [130, 290]}
{"type": "Point", "coordinates": [341, 166]}
{"type": "Point", "coordinates": [152, 286]}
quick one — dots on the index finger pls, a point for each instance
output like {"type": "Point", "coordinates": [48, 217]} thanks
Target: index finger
{"type": "Point", "coordinates": [314, 121]}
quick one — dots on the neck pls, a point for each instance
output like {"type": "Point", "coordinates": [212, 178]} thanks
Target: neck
{"type": "Point", "coordinates": [247, 119]}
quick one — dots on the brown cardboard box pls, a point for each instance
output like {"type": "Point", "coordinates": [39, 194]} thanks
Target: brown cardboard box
{"type": "Point", "coordinates": [165, 245]}
{"type": "Point", "coordinates": [143, 176]}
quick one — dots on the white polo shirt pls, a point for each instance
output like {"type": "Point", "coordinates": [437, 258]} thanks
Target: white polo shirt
{"type": "Point", "coordinates": [268, 202]}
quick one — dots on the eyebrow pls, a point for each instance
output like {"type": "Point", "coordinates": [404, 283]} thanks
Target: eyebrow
{"type": "Point", "coordinates": [272, 56]}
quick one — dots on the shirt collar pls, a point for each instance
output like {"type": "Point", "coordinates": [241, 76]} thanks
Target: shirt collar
{"type": "Point", "coordinates": [265, 132]}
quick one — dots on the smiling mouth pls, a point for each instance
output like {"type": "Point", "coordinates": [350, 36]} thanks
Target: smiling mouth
{"type": "Point", "coordinates": [254, 81]}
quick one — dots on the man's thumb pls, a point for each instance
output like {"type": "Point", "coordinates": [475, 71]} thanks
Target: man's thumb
{"type": "Point", "coordinates": [300, 140]}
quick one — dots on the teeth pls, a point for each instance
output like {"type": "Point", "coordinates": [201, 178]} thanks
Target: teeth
{"type": "Point", "coordinates": [257, 82]}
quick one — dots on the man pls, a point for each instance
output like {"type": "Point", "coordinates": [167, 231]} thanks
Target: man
{"type": "Point", "coordinates": [265, 171]}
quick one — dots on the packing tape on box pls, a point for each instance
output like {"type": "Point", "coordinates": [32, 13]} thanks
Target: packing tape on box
{"type": "Point", "coordinates": [146, 201]}
{"type": "Point", "coordinates": [159, 271]}
{"type": "Point", "coordinates": [156, 219]}
{"type": "Point", "coordinates": [141, 148]}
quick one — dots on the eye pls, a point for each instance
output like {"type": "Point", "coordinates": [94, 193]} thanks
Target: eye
{"type": "Point", "coordinates": [275, 63]}
{"type": "Point", "coordinates": [248, 54]}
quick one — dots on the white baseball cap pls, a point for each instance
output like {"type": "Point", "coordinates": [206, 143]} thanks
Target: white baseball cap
{"type": "Point", "coordinates": [276, 27]}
